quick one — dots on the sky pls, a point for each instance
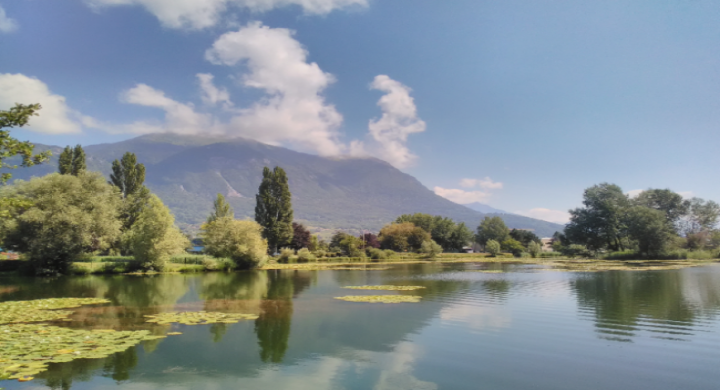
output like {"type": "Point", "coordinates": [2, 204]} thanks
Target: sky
{"type": "Point", "coordinates": [517, 104]}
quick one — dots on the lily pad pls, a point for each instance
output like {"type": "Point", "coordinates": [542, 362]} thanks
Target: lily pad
{"type": "Point", "coordinates": [26, 349]}
{"type": "Point", "coordinates": [386, 287]}
{"type": "Point", "coordinates": [41, 310]}
{"type": "Point", "coordinates": [199, 318]}
{"type": "Point", "coordinates": [381, 298]}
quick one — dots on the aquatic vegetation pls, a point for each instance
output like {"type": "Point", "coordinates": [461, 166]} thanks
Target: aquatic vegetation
{"type": "Point", "coordinates": [26, 349]}
{"type": "Point", "coordinates": [615, 265]}
{"type": "Point", "coordinates": [386, 287]}
{"type": "Point", "coordinates": [199, 318]}
{"type": "Point", "coordinates": [381, 298]}
{"type": "Point", "coordinates": [41, 310]}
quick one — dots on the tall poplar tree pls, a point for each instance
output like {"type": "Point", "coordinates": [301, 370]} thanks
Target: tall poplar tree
{"type": "Point", "coordinates": [127, 174]}
{"type": "Point", "coordinates": [221, 209]}
{"type": "Point", "coordinates": [72, 161]}
{"type": "Point", "coordinates": [273, 210]}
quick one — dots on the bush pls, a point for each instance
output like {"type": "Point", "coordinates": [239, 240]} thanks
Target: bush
{"type": "Point", "coordinates": [575, 250]}
{"type": "Point", "coordinates": [492, 247]}
{"type": "Point", "coordinates": [389, 253]}
{"type": "Point", "coordinates": [377, 254]}
{"type": "Point", "coordinates": [287, 255]}
{"type": "Point", "coordinates": [514, 246]}
{"type": "Point", "coordinates": [154, 237]}
{"type": "Point", "coordinates": [320, 253]}
{"type": "Point", "coordinates": [240, 241]}
{"type": "Point", "coordinates": [534, 249]}
{"type": "Point", "coordinates": [304, 255]}
{"type": "Point", "coordinates": [430, 249]}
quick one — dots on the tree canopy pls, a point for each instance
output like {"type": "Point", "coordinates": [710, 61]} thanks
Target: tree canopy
{"type": "Point", "coordinates": [221, 209]}
{"type": "Point", "coordinates": [127, 174]}
{"type": "Point", "coordinates": [72, 161]}
{"type": "Point", "coordinates": [17, 116]}
{"type": "Point", "coordinates": [273, 210]}
{"type": "Point", "coordinates": [444, 231]}
{"type": "Point", "coordinates": [492, 228]}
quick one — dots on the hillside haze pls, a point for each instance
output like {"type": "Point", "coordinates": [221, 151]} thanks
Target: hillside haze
{"type": "Point", "coordinates": [352, 194]}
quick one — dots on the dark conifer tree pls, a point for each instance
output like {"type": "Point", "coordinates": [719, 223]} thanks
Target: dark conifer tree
{"type": "Point", "coordinates": [78, 162]}
{"type": "Point", "coordinates": [127, 174]}
{"type": "Point", "coordinates": [66, 161]}
{"type": "Point", "coordinates": [273, 210]}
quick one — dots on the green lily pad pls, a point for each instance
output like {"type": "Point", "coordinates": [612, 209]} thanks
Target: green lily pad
{"type": "Point", "coordinates": [381, 298]}
{"type": "Point", "coordinates": [386, 287]}
{"type": "Point", "coordinates": [199, 318]}
{"type": "Point", "coordinates": [41, 310]}
{"type": "Point", "coordinates": [26, 349]}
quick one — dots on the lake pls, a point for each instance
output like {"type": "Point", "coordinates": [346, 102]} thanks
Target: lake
{"type": "Point", "coordinates": [522, 328]}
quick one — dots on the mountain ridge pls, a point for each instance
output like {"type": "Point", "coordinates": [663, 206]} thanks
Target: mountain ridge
{"type": "Point", "coordinates": [352, 194]}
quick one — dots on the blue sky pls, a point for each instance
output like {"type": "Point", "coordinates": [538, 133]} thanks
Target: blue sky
{"type": "Point", "coordinates": [516, 104]}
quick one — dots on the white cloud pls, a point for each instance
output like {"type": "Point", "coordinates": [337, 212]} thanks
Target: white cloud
{"type": "Point", "coordinates": [294, 110]}
{"type": "Point", "coordinates": [199, 14]}
{"type": "Point", "coordinates": [211, 94]}
{"type": "Point", "coordinates": [6, 24]}
{"type": "Point", "coordinates": [485, 183]}
{"type": "Point", "coordinates": [634, 193]}
{"type": "Point", "coordinates": [557, 216]}
{"type": "Point", "coordinates": [686, 194]}
{"type": "Point", "coordinates": [462, 196]}
{"type": "Point", "coordinates": [55, 117]}
{"type": "Point", "coordinates": [389, 133]}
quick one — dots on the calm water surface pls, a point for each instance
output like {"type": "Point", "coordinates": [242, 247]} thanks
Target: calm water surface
{"type": "Point", "coordinates": [523, 329]}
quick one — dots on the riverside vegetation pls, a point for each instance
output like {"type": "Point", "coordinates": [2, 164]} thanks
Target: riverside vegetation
{"type": "Point", "coordinates": [67, 222]}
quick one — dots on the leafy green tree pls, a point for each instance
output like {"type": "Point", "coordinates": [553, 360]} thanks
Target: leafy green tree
{"type": "Point", "coordinates": [17, 116]}
{"type": "Point", "coordinates": [240, 241]}
{"type": "Point", "coordinates": [348, 244]}
{"type": "Point", "coordinates": [512, 245]}
{"type": "Point", "coordinates": [154, 238]}
{"type": "Point", "coordinates": [444, 231]}
{"type": "Point", "coordinates": [702, 216]}
{"type": "Point", "coordinates": [667, 201]}
{"type": "Point", "coordinates": [534, 248]}
{"type": "Point", "coordinates": [72, 161]}
{"type": "Point", "coordinates": [70, 216]}
{"type": "Point", "coordinates": [421, 220]}
{"type": "Point", "coordinates": [402, 237]}
{"type": "Point", "coordinates": [599, 224]}
{"type": "Point", "coordinates": [524, 236]}
{"type": "Point", "coordinates": [127, 174]}
{"type": "Point", "coordinates": [492, 228]}
{"type": "Point", "coordinates": [460, 237]}
{"type": "Point", "coordinates": [430, 249]}
{"type": "Point", "coordinates": [273, 210]}
{"type": "Point", "coordinates": [221, 209]}
{"type": "Point", "coordinates": [492, 247]}
{"type": "Point", "coordinates": [650, 228]}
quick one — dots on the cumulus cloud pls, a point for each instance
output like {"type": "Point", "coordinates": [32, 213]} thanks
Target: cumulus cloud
{"type": "Point", "coordinates": [199, 14]}
{"type": "Point", "coordinates": [485, 183]}
{"type": "Point", "coordinates": [389, 133]}
{"type": "Point", "coordinates": [212, 95]}
{"type": "Point", "coordinates": [557, 216]}
{"type": "Point", "coordinates": [55, 117]}
{"type": "Point", "coordinates": [6, 24]}
{"type": "Point", "coordinates": [462, 196]}
{"type": "Point", "coordinates": [294, 110]}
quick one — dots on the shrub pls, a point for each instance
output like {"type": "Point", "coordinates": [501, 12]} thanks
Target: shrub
{"type": "Point", "coordinates": [534, 249]}
{"type": "Point", "coordinates": [403, 237]}
{"type": "Point", "coordinates": [154, 237]}
{"type": "Point", "coordinates": [305, 255]}
{"type": "Point", "coordinates": [377, 254]}
{"type": "Point", "coordinates": [492, 247]}
{"type": "Point", "coordinates": [209, 264]}
{"type": "Point", "coordinates": [320, 253]}
{"type": "Point", "coordinates": [240, 241]}
{"type": "Point", "coordinates": [430, 249]}
{"type": "Point", "coordinates": [287, 255]}
{"type": "Point", "coordinates": [389, 253]}
{"type": "Point", "coordinates": [575, 250]}
{"type": "Point", "coordinates": [514, 246]}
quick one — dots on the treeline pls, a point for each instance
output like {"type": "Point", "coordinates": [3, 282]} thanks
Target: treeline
{"type": "Point", "coordinates": [658, 223]}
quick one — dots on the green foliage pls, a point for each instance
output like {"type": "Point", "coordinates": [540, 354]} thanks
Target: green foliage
{"type": "Point", "coordinates": [127, 174]}
{"type": "Point", "coordinates": [287, 255]}
{"type": "Point", "coordinates": [377, 254]}
{"type": "Point", "coordinates": [304, 255]}
{"type": "Point", "coordinates": [534, 249]}
{"type": "Point", "coordinates": [492, 228]}
{"type": "Point", "coordinates": [524, 236]}
{"type": "Point", "coordinates": [576, 250]}
{"type": "Point", "coordinates": [513, 246]}
{"type": "Point", "coordinates": [650, 228]}
{"type": "Point", "coordinates": [670, 203]}
{"type": "Point", "coordinates": [273, 208]}
{"type": "Point", "coordinates": [71, 216]}
{"type": "Point", "coordinates": [240, 241]}
{"type": "Point", "coordinates": [347, 244]}
{"type": "Point", "coordinates": [17, 116]}
{"type": "Point", "coordinates": [221, 209]}
{"type": "Point", "coordinates": [430, 249]}
{"type": "Point", "coordinates": [492, 247]}
{"type": "Point", "coordinates": [444, 231]}
{"type": "Point", "coordinates": [72, 161]}
{"type": "Point", "coordinates": [599, 224]}
{"type": "Point", "coordinates": [702, 216]}
{"type": "Point", "coordinates": [402, 237]}
{"type": "Point", "coordinates": [154, 237]}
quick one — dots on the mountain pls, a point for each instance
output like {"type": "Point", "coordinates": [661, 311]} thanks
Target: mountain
{"type": "Point", "coordinates": [352, 194]}
{"type": "Point", "coordinates": [483, 208]}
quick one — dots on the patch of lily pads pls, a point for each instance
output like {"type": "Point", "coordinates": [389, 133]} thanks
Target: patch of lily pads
{"type": "Point", "coordinates": [386, 288]}
{"type": "Point", "coordinates": [381, 298]}
{"type": "Point", "coordinates": [26, 349]}
{"type": "Point", "coordinates": [199, 318]}
{"type": "Point", "coordinates": [41, 310]}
